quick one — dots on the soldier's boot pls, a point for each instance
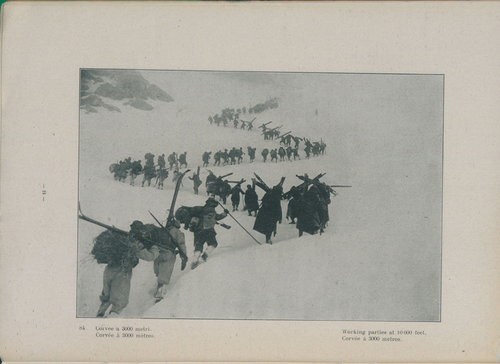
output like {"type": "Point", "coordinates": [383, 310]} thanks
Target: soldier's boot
{"type": "Point", "coordinates": [268, 239]}
{"type": "Point", "coordinates": [207, 252]}
{"type": "Point", "coordinates": [196, 259]}
{"type": "Point", "coordinates": [161, 291]}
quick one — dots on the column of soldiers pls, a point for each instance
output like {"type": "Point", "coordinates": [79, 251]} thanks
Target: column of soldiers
{"type": "Point", "coordinates": [231, 116]}
{"type": "Point", "coordinates": [128, 168]}
{"type": "Point", "coordinates": [235, 156]}
{"type": "Point", "coordinates": [307, 209]}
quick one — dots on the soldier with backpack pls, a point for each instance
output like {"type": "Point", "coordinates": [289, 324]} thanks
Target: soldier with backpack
{"type": "Point", "coordinates": [161, 161]}
{"type": "Point", "coordinates": [264, 154]}
{"type": "Point", "coordinates": [171, 238]}
{"type": "Point", "coordinates": [203, 226]}
{"type": "Point", "coordinates": [206, 158]}
{"type": "Point", "coordinates": [182, 160]}
{"type": "Point", "coordinates": [270, 212]}
{"type": "Point", "coordinates": [118, 271]}
{"type": "Point", "coordinates": [251, 153]}
{"type": "Point", "coordinates": [251, 199]}
{"type": "Point", "coordinates": [135, 170]}
{"type": "Point", "coordinates": [162, 175]}
{"type": "Point", "coordinates": [149, 174]}
{"type": "Point", "coordinates": [172, 160]}
{"type": "Point", "coordinates": [274, 155]}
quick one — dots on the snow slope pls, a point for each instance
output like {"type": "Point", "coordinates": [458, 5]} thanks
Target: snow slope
{"type": "Point", "coordinates": [380, 257]}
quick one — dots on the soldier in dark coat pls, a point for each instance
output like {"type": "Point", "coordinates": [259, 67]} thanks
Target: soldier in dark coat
{"type": "Point", "coordinates": [239, 154]}
{"type": "Point", "coordinates": [307, 149]}
{"type": "Point", "coordinates": [235, 196]}
{"type": "Point", "coordinates": [325, 192]}
{"type": "Point", "coordinates": [282, 154]}
{"type": "Point", "coordinates": [270, 213]}
{"type": "Point", "coordinates": [161, 161]}
{"type": "Point", "coordinates": [209, 182]}
{"type": "Point", "coordinates": [223, 189]}
{"type": "Point", "coordinates": [274, 155]}
{"type": "Point", "coordinates": [172, 160]}
{"type": "Point", "coordinates": [149, 174]}
{"type": "Point", "coordinates": [196, 182]}
{"type": "Point", "coordinates": [217, 157]}
{"type": "Point", "coordinates": [315, 149]}
{"type": "Point", "coordinates": [232, 155]}
{"type": "Point", "coordinates": [293, 204]}
{"type": "Point", "coordinates": [206, 158]}
{"type": "Point", "coordinates": [310, 214]}
{"type": "Point", "coordinates": [150, 159]}
{"type": "Point", "coordinates": [182, 160]}
{"type": "Point", "coordinates": [264, 154]}
{"type": "Point", "coordinates": [251, 200]}
{"type": "Point", "coordinates": [251, 153]}
{"type": "Point", "coordinates": [296, 141]}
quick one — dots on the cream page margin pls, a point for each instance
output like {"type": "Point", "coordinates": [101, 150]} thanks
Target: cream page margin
{"type": "Point", "coordinates": [45, 44]}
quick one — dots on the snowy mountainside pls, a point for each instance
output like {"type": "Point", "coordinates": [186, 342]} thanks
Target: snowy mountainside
{"type": "Point", "coordinates": [376, 259]}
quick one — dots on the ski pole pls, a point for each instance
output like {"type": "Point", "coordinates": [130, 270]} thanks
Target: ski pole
{"type": "Point", "coordinates": [239, 224]}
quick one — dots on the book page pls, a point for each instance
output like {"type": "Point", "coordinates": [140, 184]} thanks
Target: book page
{"type": "Point", "coordinates": [309, 182]}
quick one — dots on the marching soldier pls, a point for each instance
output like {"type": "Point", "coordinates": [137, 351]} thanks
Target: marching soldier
{"type": "Point", "coordinates": [264, 154]}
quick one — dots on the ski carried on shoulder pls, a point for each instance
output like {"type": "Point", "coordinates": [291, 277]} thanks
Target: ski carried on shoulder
{"type": "Point", "coordinates": [176, 192]}
{"type": "Point", "coordinates": [171, 216]}
{"type": "Point", "coordinates": [260, 182]}
{"type": "Point", "coordinates": [95, 222]}
{"type": "Point", "coordinates": [109, 227]}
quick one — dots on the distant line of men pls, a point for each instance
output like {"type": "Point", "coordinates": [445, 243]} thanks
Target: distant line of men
{"type": "Point", "coordinates": [235, 155]}
{"type": "Point", "coordinates": [127, 167]}
{"type": "Point", "coordinates": [231, 116]}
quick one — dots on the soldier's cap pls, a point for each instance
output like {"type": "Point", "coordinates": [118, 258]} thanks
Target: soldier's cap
{"type": "Point", "coordinates": [136, 225]}
{"type": "Point", "coordinates": [211, 202]}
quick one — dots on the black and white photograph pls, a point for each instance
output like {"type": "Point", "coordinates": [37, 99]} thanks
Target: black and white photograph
{"type": "Point", "coordinates": [260, 195]}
